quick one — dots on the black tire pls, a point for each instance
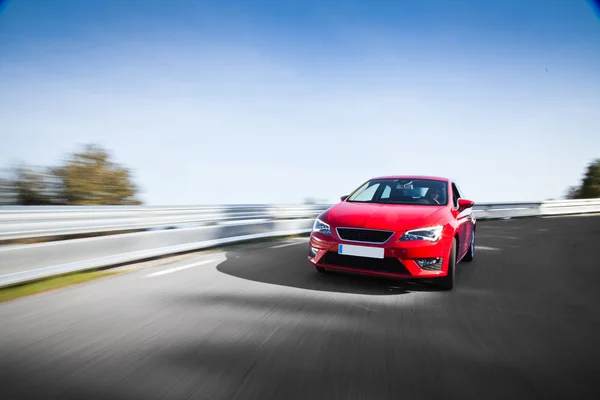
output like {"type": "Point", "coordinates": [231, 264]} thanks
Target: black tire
{"type": "Point", "coordinates": [321, 269]}
{"type": "Point", "coordinates": [471, 253]}
{"type": "Point", "coordinates": [447, 282]}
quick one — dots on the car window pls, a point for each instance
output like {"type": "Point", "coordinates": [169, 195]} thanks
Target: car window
{"type": "Point", "coordinates": [402, 191]}
{"type": "Point", "coordinates": [365, 195]}
{"type": "Point", "coordinates": [386, 192]}
{"type": "Point", "coordinates": [455, 195]}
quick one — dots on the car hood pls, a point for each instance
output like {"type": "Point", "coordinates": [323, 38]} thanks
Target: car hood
{"type": "Point", "coordinates": [396, 217]}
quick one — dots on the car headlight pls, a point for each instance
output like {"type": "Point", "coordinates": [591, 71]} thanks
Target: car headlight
{"type": "Point", "coordinates": [432, 234]}
{"type": "Point", "coordinates": [322, 227]}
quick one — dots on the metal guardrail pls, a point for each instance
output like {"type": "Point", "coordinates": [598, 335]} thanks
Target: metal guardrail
{"type": "Point", "coordinates": [29, 262]}
{"type": "Point", "coordinates": [536, 209]}
{"type": "Point", "coordinates": [566, 207]}
{"type": "Point", "coordinates": [197, 228]}
{"type": "Point", "coordinates": [30, 222]}
{"type": "Point", "coordinates": [506, 210]}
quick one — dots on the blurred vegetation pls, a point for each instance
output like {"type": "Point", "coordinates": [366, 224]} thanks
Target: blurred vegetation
{"type": "Point", "coordinates": [590, 185]}
{"type": "Point", "coordinates": [312, 200]}
{"type": "Point", "coordinates": [88, 177]}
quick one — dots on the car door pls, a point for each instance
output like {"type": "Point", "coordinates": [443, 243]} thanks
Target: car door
{"type": "Point", "coordinates": [465, 223]}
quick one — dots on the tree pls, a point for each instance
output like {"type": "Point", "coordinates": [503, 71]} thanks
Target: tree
{"type": "Point", "coordinates": [35, 186]}
{"type": "Point", "coordinates": [312, 200]}
{"type": "Point", "coordinates": [8, 190]}
{"type": "Point", "coordinates": [88, 177]}
{"type": "Point", "coordinates": [27, 185]}
{"type": "Point", "coordinates": [572, 192]}
{"type": "Point", "coordinates": [91, 178]}
{"type": "Point", "coordinates": [590, 185]}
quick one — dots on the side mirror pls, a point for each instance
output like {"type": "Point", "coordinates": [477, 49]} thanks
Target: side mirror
{"type": "Point", "coordinates": [463, 204]}
{"type": "Point", "coordinates": [343, 198]}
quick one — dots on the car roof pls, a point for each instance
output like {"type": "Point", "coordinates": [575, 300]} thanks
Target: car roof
{"type": "Point", "coordinates": [413, 177]}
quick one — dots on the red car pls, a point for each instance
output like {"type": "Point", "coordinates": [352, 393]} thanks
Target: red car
{"type": "Point", "coordinates": [409, 227]}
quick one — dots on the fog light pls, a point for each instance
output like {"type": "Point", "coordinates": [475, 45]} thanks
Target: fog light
{"type": "Point", "coordinates": [312, 251]}
{"type": "Point", "coordinates": [430, 264]}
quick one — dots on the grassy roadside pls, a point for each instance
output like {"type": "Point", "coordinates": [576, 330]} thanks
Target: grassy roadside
{"type": "Point", "coordinates": [46, 285]}
{"type": "Point", "coordinates": [60, 282]}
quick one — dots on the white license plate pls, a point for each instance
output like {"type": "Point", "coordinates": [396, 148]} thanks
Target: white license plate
{"type": "Point", "coordinates": [360, 251]}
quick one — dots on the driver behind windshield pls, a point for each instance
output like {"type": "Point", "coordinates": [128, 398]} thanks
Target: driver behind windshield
{"type": "Point", "coordinates": [434, 196]}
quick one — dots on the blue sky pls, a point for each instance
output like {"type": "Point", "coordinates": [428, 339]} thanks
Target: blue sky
{"type": "Point", "coordinates": [275, 101]}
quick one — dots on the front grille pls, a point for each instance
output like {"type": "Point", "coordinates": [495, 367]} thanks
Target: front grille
{"type": "Point", "coordinates": [387, 264]}
{"type": "Point", "coordinates": [364, 235]}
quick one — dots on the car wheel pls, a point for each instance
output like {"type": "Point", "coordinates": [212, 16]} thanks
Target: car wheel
{"type": "Point", "coordinates": [447, 282]}
{"type": "Point", "coordinates": [321, 269]}
{"type": "Point", "coordinates": [471, 253]}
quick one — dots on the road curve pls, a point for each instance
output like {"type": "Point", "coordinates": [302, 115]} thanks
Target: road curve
{"type": "Point", "coordinates": [258, 322]}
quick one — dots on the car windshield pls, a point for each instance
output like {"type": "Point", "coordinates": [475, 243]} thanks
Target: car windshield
{"type": "Point", "coordinates": [402, 191]}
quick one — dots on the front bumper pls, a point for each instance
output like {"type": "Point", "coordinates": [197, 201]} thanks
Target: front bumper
{"type": "Point", "coordinates": [399, 257]}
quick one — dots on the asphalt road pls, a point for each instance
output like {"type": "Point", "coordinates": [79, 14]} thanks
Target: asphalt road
{"type": "Point", "coordinates": [258, 322]}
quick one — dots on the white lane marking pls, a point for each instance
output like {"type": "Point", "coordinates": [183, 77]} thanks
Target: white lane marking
{"type": "Point", "coordinates": [285, 245]}
{"type": "Point", "coordinates": [490, 236]}
{"type": "Point", "coordinates": [269, 337]}
{"type": "Point", "coordinates": [176, 269]}
{"type": "Point", "coordinates": [366, 308]}
{"type": "Point", "coordinates": [486, 248]}
{"type": "Point", "coordinates": [590, 214]}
